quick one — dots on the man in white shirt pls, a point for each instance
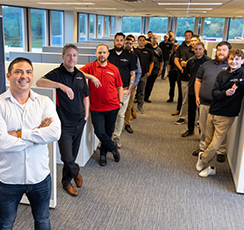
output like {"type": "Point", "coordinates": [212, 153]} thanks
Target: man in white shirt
{"type": "Point", "coordinates": [28, 122]}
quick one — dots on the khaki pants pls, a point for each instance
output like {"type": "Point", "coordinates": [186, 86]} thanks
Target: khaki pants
{"type": "Point", "coordinates": [184, 107]}
{"type": "Point", "coordinates": [216, 132]}
{"type": "Point", "coordinates": [128, 110]}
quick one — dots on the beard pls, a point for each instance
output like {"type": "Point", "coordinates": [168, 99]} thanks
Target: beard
{"type": "Point", "coordinates": [118, 48]}
{"type": "Point", "coordinates": [222, 59]}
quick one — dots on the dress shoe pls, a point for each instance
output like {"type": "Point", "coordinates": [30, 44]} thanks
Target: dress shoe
{"type": "Point", "coordinates": [133, 113]}
{"type": "Point", "coordinates": [103, 160]}
{"type": "Point", "coordinates": [148, 101]}
{"type": "Point", "coordinates": [116, 154]}
{"type": "Point", "coordinates": [169, 100]}
{"type": "Point", "coordinates": [199, 164]}
{"type": "Point", "coordinates": [117, 142]}
{"type": "Point", "coordinates": [209, 171]}
{"type": "Point", "coordinates": [128, 129]}
{"type": "Point", "coordinates": [175, 113]}
{"type": "Point", "coordinates": [181, 121]}
{"type": "Point", "coordinates": [221, 158]}
{"type": "Point", "coordinates": [187, 133]}
{"type": "Point", "coordinates": [195, 153]}
{"type": "Point", "coordinates": [70, 189]}
{"type": "Point", "coordinates": [78, 180]}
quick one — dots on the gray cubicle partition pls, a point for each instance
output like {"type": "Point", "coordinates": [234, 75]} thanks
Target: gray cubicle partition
{"type": "Point", "coordinates": [58, 49]}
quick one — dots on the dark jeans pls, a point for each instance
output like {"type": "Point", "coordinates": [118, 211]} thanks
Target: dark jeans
{"type": "Point", "coordinates": [172, 80]}
{"type": "Point", "coordinates": [149, 86]}
{"type": "Point", "coordinates": [191, 112]}
{"type": "Point", "coordinates": [103, 123]}
{"type": "Point", "coordinates": [179, 103]}
{"type": "Point", "coordinates": [141, 90]}
{"type": "Point", "coordinates": [38, 195]}
{"type": "Point", "coordinates": [164, 68]}
{"type": "Point", "coordinates": [69, 144]}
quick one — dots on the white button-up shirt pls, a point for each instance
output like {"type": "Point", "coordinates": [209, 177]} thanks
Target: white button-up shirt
{"type": "Point", "coordinates": [25, 160]}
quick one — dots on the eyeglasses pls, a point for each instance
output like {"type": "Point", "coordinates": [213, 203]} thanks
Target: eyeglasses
{"type": "Point", "coordinates": [128, 43]}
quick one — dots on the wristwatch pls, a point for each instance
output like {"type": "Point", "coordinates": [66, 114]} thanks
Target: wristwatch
{"type": "Point", "coordinates": [19, 133]}
{"type": "Point", "coordinates": [121, 102]}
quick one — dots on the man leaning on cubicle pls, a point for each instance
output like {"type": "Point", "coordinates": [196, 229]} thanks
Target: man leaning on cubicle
{"type": "Point", "coordinates": [73, 110]}
{"type": "Point", "coordinates": [28, 122]}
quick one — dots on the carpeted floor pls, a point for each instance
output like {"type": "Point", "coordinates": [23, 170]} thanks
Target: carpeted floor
{"type": "Point", "coordinates": [154, 187]}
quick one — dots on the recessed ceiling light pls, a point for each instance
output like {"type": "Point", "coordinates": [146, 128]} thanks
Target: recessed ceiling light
{"type": "Point", "coordinates": [90, 8]}
{"type": "Point", "coordinates": [66, 3]}
{"type": "Point", "coordinates": [190, 3]}
{"type": "Point", "coordinates": [189, 9]}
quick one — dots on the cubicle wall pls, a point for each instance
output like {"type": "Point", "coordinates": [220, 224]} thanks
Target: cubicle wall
{"type": "Point", "coordinates": [58, 49]}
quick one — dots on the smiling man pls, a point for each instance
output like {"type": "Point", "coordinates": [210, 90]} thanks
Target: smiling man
{"type": "Point", "coordinates": [227, 95]}
{"type": "Point", "coordinates": [73, 111]}
{"type": "Point", "coordinates": [28, 122]}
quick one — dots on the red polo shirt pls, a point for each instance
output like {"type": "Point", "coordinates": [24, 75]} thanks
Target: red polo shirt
{"type": "Point", "coordinates": [105, 97]}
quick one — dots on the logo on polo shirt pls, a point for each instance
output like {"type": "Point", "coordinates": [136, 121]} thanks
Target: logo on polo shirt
{"type": "Point", "coordinates": [123, 59]}
{"type": "Point", "coordinates": [110, 73]}
{"type": "Point", "coordinates": [79, 78]}
{"type": "Point", "coordinates": [145, 52]}
{"type": "Point", "coordinates": [224, 68]}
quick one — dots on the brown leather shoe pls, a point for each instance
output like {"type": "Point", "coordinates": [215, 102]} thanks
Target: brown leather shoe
{"type": "Point", "coordinates": [175, 113]}
{"type": "Point", "coordinates": [70, 189]}
{"type": "Point", "coordinates": [78, 180]}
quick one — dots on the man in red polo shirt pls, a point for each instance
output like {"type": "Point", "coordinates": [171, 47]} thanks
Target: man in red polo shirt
{"type": "Point", "coordinates": [105, 101]}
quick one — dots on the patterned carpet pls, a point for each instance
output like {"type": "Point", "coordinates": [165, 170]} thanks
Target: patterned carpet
{"type": "Point", "coordinates": [154, 187]}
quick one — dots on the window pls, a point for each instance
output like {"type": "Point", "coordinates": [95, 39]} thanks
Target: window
{"type": "Point", "coordinates": [13, 28]}
{"type": "Point", "coordinates": [38, 28]}
{"type": "Point", "coordinates": [184, 24]}
{"type": "Point", "coordinates": [57, 28]}
{"type": "Point", "coordinates": [112, 25]}
{"type": "Point", "coordinates": [158, 25]}
{"type": "Point", "coordinates": [100, 26]}
{"type": "Point", "coordinates": [83, 27]}
{"type": "Point", "coordinates": [92, 19]}
{"type": "Point", "coordinates": [213, 29]}
{"type": "Point", "coordinates": [131, 25]}
{"type": "Point", "coordinates": [236, 29]}
{"type": "Point", "coordinates": [106, 26]}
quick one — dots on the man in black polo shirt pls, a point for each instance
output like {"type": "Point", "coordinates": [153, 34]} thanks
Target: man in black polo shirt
{"type": "Point", "coordinates": [166, 47]}
{"type": "Point", "coordinates": [126, 64]}
{"type": "Point", "coordinates": [192, 67]}
{"type": "Point", "coordinates": [184, 47]}
{"type": "Point", "coordinates": [73, 111]}
{"type": "Point", "coordinates": [205, 80]}
{"type": "Point", "coordinates": [172, 40]}
{"type": "Point", "coordinates": [147, 67]}
{"type": "Point", "coordinates": [157, 68]}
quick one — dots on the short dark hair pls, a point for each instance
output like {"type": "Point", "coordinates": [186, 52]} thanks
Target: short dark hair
{"type": "Point", "coordinates": [149, 32]}
{"type": "Point", "coordinates": [195, 36]}
{"type": "Point", "coordinates": [130, 36]}
{"type": "Point", "coordinates": [69, 46]}
{"type": "Point", "coordinates": [128, 39]}
{"type": "Point", "coordinates": [224, 43]}
{"type": "Point", "coordinates": [188, 31]}
{"type": "Point", "coordinates": [141, 36]}
{"type": "Point", "coordinates": [236, 52]}
{"type": "Point", "coordinates": [17, 60]}
{"type": "Point", "coordinates": [119, 34]}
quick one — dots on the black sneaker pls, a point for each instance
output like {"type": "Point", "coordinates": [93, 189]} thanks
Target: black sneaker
{"type": "Point", "coordinates": [187, 133]}
{"type": "Point", "coordinates": [116, 154]}
{"type": "Point", "coordinates": [221, 158]}
{"type": "Point", "coordinates": [195, 153]}
{"type": "Point", "coordinates": [181, 121]}
{"type": "Point", "coordinates": [103, 160]}
{"type": "Point", "coordinates": [128, 129]}
{"type": "Point", "coordinates": [170, 100]}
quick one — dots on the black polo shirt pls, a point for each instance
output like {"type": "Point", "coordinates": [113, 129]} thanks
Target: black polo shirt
{"type": "Point", "coordinates": [146, 56]}
{"type": "Point", "coordinates": [165, 47]}
{"type": "Point", "coordinates": [70, 112]}
{"type": "Point", "coordinates": [158, 58]}
{"type": "Point", "coordinates": [125, 62]}
{"type": "Point", "coordinates": [192, 67]}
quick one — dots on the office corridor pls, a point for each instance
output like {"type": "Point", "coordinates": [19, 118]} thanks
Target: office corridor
{"type": "Point", "coordinates": [154, 187]}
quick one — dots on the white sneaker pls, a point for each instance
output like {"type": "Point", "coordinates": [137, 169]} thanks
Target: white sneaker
{"type": "Point", "coordinates": [199, 164]}
{"type": "Point", "coordinates": [207, 172]}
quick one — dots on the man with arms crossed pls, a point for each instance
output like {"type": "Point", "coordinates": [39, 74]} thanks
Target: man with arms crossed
{"type": "Point", "coordinates": [205, 79]}
{"type": "Point", "coordinates": [73, 110]}
{"type": "Point", "coordinates": [105, 101]}
{"type": "Point", "coordinates": [28, 122]}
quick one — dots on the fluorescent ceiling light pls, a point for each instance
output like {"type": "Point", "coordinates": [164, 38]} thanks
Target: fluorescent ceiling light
{"type": "Point", "coordinates": [189, 9]}
{"type": "Point", "coordinates": [89, 8]}
{"type": "Point", "coordinates": [66, 3]}
{"type": "Point", "coordinates": [190, 3]}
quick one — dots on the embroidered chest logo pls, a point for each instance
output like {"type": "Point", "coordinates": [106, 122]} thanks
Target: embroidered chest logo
{"type": "Point", "coordinates": [123, 60]}
{"type": "Point", "coordinates": [224, 68]}
{"type": "Point", "coordinates": [145, 52]}
{"type": "Point", "coordinates": [110, 73]}
{"type": "Point", "coordinates": [79, 78]}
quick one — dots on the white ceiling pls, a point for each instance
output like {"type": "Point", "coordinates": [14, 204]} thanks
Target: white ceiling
{"type": "Point", "coordinates": [147, 8]}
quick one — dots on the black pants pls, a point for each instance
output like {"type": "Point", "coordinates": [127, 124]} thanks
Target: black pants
{"type": "Point", "coordinates": [141, 90]}
{"type": "Point", "coordinates": [149, 86]}
{"type": "Point", "coordinates": [69, 144]}
{"type": "Point", "coordinates": [172, 80]}
{"type": "Point", "coordinates": [191, 112]}
{"type": "Point", "coordinates": [179, 103]}
{"type": "Point", "coordinates": [103, 123]}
